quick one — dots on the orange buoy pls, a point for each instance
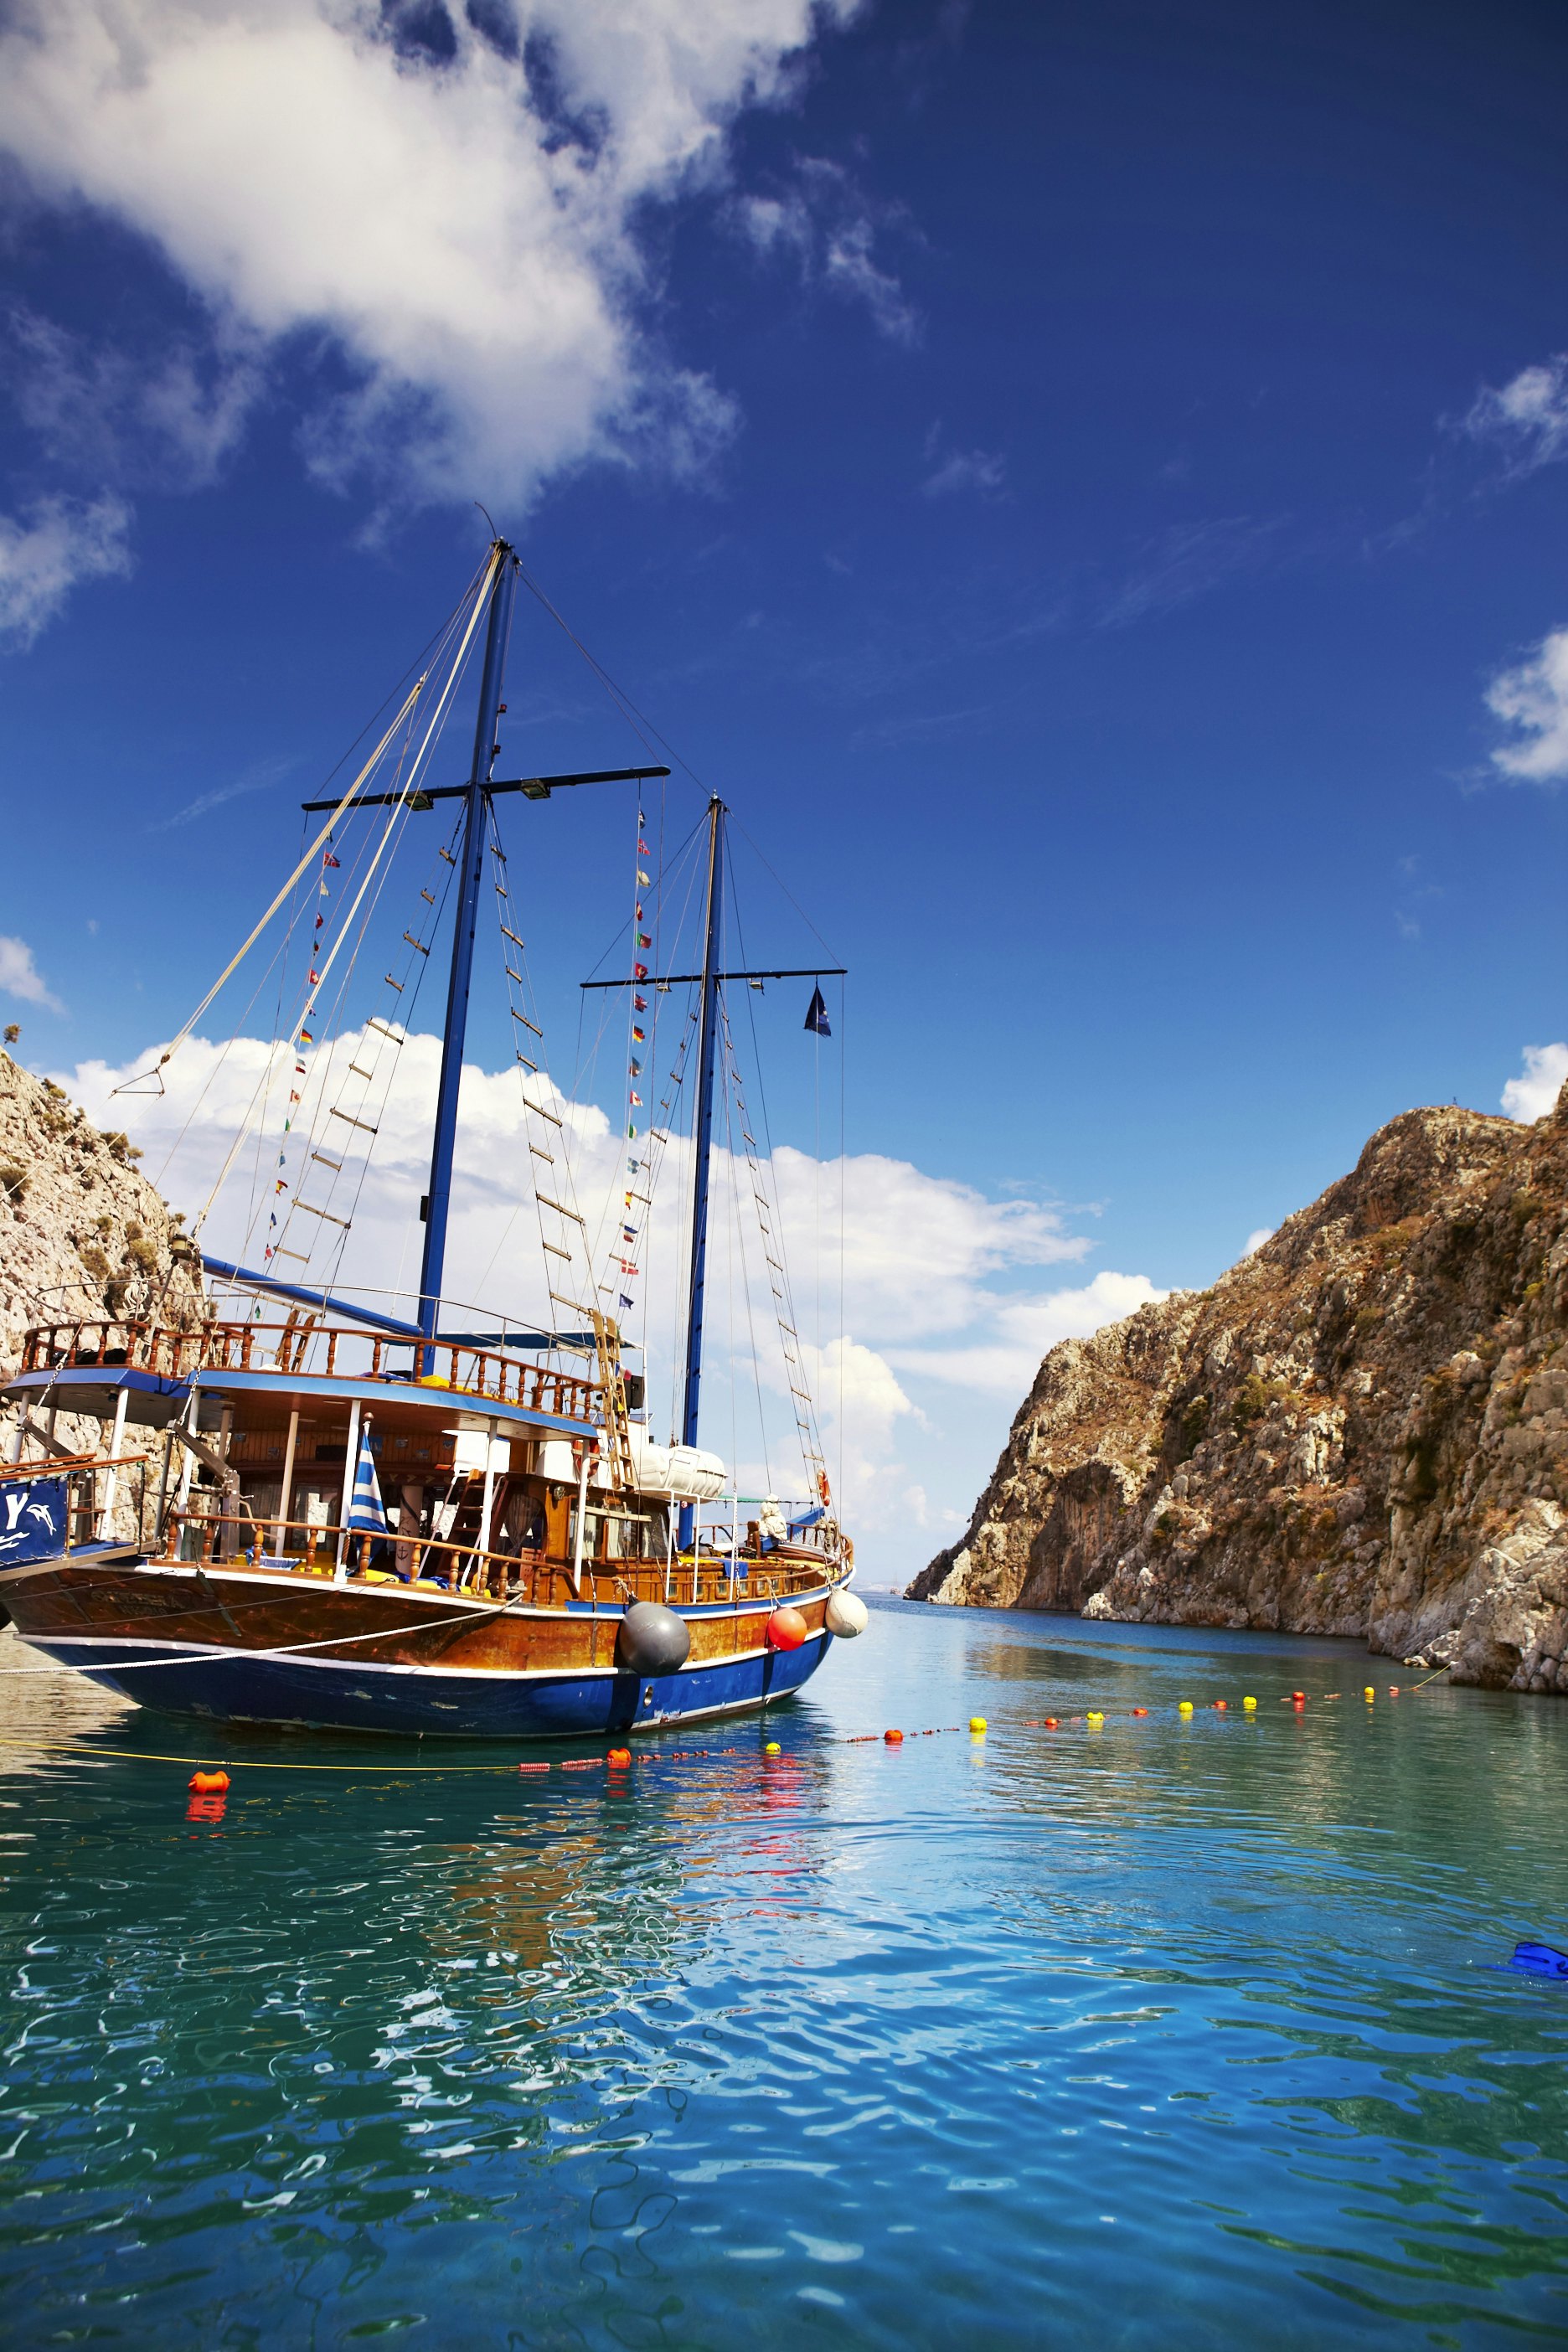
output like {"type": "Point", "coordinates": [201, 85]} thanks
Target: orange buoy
{"type": "Point", "coordinates": [1140, 1710]}
{"type": "Point", "coordinates": [893, 1738]}
{"type": "Point", "coordinates": [207, 1784]}
{"type": "Point", "coordinates": [1297, 1698]}
{"type": "Point", "coordinates": [1220, 1706]}
{"type": "Point", "coordinates": [786, 1629]}
{"type": "Point", "coordinates": [620, 1755]}
{"type": "Point", "coordinates": [1051, 1723]}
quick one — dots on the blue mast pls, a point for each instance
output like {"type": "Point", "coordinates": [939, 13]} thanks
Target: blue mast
{"type": "Point", "coordinates": [470, 873]}
{"type": "Point", "coordinates": [707, 1043]}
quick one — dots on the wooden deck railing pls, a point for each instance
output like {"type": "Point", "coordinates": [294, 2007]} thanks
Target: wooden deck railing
{"type": "Point", "coordinates": [234, 1539]}
{"type": "Point", "coordinates": [315, 1351]}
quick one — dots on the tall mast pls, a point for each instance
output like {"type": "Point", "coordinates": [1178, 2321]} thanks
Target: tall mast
{"type": "Point", "coordinates": [707, 1043]}
{"type": "Point", "coordinates": [438, 1203]}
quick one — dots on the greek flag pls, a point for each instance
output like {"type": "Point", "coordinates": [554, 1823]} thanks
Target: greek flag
{"type": "Point", "coordinates": [367, 1516]}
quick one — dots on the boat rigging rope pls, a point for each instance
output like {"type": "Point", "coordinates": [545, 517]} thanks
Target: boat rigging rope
{"type": "Point", "coordinates": [320, 843]}
{"type": "Point", "coordinates": [396, 817]}
{"type": "Point", "coordinates": [405, 711]}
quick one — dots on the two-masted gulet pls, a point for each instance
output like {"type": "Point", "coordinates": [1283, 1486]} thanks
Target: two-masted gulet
{"type": "Point", "coordinates": [226, 1550]}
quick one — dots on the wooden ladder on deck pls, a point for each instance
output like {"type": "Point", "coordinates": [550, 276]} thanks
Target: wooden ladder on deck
{"type": "Point", "coordinates": [618, 1426]}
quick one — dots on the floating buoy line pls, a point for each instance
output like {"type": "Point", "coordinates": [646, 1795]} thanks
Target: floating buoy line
{"type": "Point", "coordinates": [212, 1778]}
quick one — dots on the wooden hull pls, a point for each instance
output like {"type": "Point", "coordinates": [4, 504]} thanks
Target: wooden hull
{"type": "Point", "coordinates": [234, 1645]}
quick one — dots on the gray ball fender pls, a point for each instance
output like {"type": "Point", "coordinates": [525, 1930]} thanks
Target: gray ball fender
{"type": "Point", "coordinates": [652, 1640]}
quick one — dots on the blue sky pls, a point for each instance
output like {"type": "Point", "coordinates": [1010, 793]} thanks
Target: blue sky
{"type": "Point", "coordinates": [1087, 483]}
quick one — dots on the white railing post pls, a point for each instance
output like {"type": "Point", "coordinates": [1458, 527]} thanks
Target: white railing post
{"type": "Point", "coordinates": [106, 1515]}
{"type": "Point", "coordinates": [351, 1463]}
{"type": "Point", "coordinates": [582, 1517]}
{"type": "Point", "coordinates": [280, 1527]}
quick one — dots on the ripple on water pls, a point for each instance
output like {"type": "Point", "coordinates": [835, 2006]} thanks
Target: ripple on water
{"type": "Point", "coordinates": [1176, 2032]}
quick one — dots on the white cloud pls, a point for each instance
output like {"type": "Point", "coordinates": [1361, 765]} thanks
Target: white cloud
{"type": "Point", "coordinates": [1528, 417]}
{"type": "Point", "coordinates": [20, 977]}
{"type": "Point", "coordinates": [172, 420]}
{"type": "Point", "coordinates": [916, 1359]}
{"type": "Point", "coordinates": [1004, 1360]}
{"type": "Point", "coordinates": [258, 777]}
{"type": "Point", "coordinates": [42, 558]}
{"type": "Point", "coordinates": [461, 226]}
{"type": "Point", "coordinates": [1256, 1239]}
{"type": "Point", "coordinates": [1534, 699]}
{"type": "Point", "coordinates": [849, 269]}
{"type": "Point", "coordinates": [1532, 1094]}
{"type": "Point", "coordinates": [966, 470]}
{"type": "Point", "coordinates": [829, 226]}
{"type": "Point", "coordinates": [1186, 563]}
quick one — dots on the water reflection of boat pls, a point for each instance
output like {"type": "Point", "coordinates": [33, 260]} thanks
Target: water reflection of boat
{"type": "Point", "coordinates": [227, 1550]}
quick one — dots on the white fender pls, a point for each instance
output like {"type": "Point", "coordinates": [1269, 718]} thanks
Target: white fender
{"type": "Point", "coordinates": [846, 1616]}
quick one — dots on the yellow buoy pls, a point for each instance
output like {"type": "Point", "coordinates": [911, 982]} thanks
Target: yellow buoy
{"type": "Point", "coordinates": [1185, 1707]}
{"type": "Point", "coordinates": [1369, 1692]}
{"type": "Point", "coordinates": [1097, 1718]}
{"type": "Point", "coordinates": [1250, 1704]}
{"type": "Point", "coordinates": [773, 1748]}
{"type": "Point", "coordinates": [977, 1723]}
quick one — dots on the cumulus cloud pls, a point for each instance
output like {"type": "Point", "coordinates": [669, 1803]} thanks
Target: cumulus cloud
{"type": "Point", "coordinates": [925, 1332]}
{"type": "Point", "coordinates": [1528, 417]}
{"type": "Point", "coordinates": [1533, 699]}
{"type": "Point", "coordinates": [1003, 1356]}
{"type": "Point", "coordinates": [1534, 1092]}
{"type": "Point", "coordinates": [20, 977]}
{"type": "Point", "coordinates": [1256, 1239]}
{"type": "Point", "coordinates": [58, 543]}
{"type": "Point", "coordinates": [448, 200]}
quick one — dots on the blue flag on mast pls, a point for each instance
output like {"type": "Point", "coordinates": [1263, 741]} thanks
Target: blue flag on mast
{"type": "Point", "coordinates": [367, 1513]}
{"type": "Point", "coordinates": [816, 1016]}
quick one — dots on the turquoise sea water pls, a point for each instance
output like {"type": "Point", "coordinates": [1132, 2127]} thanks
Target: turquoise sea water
{"type": "Point", "coordinates": [1162, 2035]}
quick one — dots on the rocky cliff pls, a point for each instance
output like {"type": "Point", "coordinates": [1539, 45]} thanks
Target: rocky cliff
{"type": "Point", "coordinates": [1361, 1429]}
{"type": "Point", "coordinates": [83, 1235]}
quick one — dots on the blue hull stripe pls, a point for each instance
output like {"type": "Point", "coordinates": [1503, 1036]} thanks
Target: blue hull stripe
{"type": "Point", "coordinates": [419, 1701]}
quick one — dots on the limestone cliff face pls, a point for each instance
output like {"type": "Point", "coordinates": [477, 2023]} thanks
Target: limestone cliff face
{"type": "Point", "coordinates": [1361, 1429]}
{"type": "Point", "coordinates": [83, 1236]}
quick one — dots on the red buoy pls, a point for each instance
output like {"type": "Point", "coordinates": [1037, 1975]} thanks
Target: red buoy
{"type": "Point", "coordinates": [620, 1755]}
{"type": "Point", "coordinates": [893, 1738]}
{"type": "Point", "coordinates": [1220, 1704]}
{"type": "Point", "coordinates": [786, 1629]}
{"type": "Point", "coordinates": [207, 1784]}
{"type": "Point", "coordinates": [1140, 1710]}
{"type": "Point", "coordinates": [1050, 1723]}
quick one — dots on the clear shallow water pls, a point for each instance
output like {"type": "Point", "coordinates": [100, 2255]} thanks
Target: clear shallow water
{"type": "Point", "coordinates": [1157, 2035]}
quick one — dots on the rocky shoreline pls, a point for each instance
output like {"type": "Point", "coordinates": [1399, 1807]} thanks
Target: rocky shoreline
{"type": "Point", "coordinates": [84, 1236]}
{"type": "Point", "coordinates": [1359, 1430]}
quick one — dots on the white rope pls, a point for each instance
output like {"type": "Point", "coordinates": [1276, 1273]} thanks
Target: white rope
{"type": "Point", "coordinates": [235, 961]}
{"type": "Point", "coordinates": [297, 1648]}
{"type": "Point", "coordinates": [399, 814]}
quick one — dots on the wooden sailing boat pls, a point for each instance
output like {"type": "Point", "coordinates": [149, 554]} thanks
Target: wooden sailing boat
{"type": "Point", "coordinates": [560, 1580]}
